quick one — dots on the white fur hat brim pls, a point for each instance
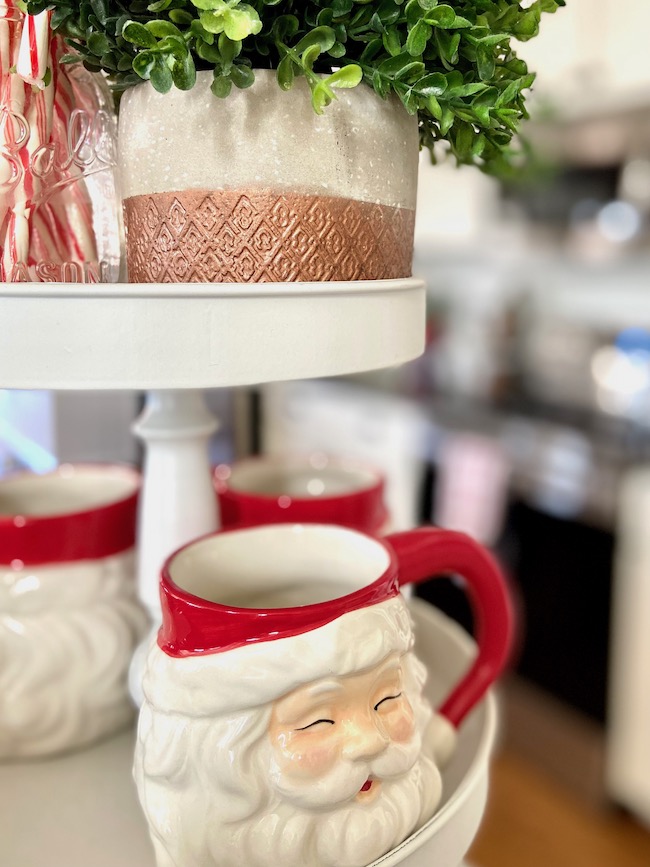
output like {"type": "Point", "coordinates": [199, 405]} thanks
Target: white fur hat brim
{"type": "Point", "coordinates": [251, 676]}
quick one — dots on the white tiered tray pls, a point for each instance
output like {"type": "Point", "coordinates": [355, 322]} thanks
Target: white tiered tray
{"type": "Point", "coordinates": [172, 340]}
{"type": "Point", "coordinates": [81, 810]}
{"type": "Point", "coordinates": [203, 335]}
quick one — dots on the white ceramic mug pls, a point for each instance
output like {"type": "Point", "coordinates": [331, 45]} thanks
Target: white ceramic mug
{"type": "Point", "coordinates": [284, 719]}
{"type": "Point", "coordinates": [69, 615]}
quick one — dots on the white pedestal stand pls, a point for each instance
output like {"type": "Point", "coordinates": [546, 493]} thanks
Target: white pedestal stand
{"type": "Point", "coordinates": [178, 501]}
{"type": "Point", "coordinates": [172, 342]}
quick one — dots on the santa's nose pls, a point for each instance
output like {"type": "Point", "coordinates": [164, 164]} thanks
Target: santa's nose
{"type": "Point", "coordinates": [364, 740]}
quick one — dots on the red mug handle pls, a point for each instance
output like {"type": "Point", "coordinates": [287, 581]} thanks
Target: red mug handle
{"type": "Point", "coordinates": [429, 552]}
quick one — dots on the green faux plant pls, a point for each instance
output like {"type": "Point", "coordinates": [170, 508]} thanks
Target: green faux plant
{"type": "Point", "coordinates": [451, 63]}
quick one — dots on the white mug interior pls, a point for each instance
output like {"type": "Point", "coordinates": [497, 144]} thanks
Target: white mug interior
{"type": "Point", "coordinates": [308, 478]}
{"type": "Point", "coordinates": [279, 566]}
{"type": "Point", "coordinates": [69, 489]}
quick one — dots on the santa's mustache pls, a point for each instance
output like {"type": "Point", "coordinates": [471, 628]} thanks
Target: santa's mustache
{"type": "Point", "coordinates": [344, 781]}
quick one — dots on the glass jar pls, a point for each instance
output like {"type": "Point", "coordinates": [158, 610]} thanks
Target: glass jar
{"type": "Point", "coordinates": [59, 208]}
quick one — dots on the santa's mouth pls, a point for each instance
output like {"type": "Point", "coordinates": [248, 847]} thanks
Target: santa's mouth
{"type": "Point", "coordinates": [366, 786]}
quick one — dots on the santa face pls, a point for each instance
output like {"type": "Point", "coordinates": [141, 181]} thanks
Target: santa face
{"type": "Point", "coordinates": [336, 740]}
{"type": "Point", "coordinates": [336, 772]}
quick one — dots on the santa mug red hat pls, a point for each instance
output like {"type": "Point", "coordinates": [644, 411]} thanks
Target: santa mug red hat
{"type": "Point", "coordinates": [298, 635]}
{"type": "Point", "coordinates": [313, 489]}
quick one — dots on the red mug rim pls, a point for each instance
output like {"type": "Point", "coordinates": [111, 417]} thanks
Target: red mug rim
{"type": "Point", "coordinates": [188, 627]}
{"type": "Point", "coordinates": [413, 556]}
{"type": "Point", "coordinates": [362, 508]}
{"type": "Point", "coordinates": [88, 533]}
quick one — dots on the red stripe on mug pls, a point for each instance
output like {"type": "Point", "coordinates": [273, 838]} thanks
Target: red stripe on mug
{"type": "Point", "coordinates": [90, 533]}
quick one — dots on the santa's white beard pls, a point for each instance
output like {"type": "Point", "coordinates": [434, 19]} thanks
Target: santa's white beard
{"type": "Point", "coordinates": [214, 797]}
{"type": "Point", "coordinates": [353, 835]}
{"type": "Point", "coordinates": [67, 633]}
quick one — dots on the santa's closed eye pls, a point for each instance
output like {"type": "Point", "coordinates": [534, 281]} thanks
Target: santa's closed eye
{"type": "Point", "coordinates": [315, 723]}
{"type": "Point", "coordinates": [387, 698]}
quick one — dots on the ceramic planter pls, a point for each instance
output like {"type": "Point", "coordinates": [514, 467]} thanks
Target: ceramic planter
{"type": "Point", "coordinates": [258, 188]}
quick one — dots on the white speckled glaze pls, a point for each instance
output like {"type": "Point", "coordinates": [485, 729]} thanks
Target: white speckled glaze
{"type": "Point", "coordinates": [361, 147]}
{"type": "Point", "coordinates": [67, 633]}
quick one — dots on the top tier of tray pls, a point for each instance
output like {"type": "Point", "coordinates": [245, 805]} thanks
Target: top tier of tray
{"type": "Point", "coordinates": [175, 336]}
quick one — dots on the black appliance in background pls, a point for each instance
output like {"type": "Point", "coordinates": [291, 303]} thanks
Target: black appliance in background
{"type": "Point", "coordinates": [561, 575]}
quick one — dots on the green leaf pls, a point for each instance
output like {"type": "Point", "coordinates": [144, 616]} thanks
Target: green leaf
{"type": "Point", "coordinates": [125, 63]}
{"type": "Point", "coordinates": [434, 107]}
{"type": "Point", "coordinates": [159, 6]}
{"type": "Point", "coordinates": [138, 35]}
{"type": "Point", "coordinates": [434, 84]}
{"type": "Point", "coordinates": [71, 58]}
{"type": "Point", "coordinates": [181, 18]}
{"type": "Point", "coordinates": [143, 63]}
{"type": "Point", "coordinates": [163, 28]}
{"type": "Point", "coordinates": [161, 76]}
{"type": "Point", "coordinates": [212, 22]}
{"type": "Point", "coordinates": [285, 73]}
{"type": "Point", "coordinates": [212, 5]}
{"type": "Point", "coordinates": [242, 76]}
{"type": "Point", "coordinates": [100, 8]}
{"type": "Point", "coordinates": [228, 50]}
{"type": "Point", "coordinates": [241, 22]}
{"type": "Point", "coordinates": [174, 46]}
{"type": "Point", "coordinates": [98, 44]}
{"type": "Point", "coordinates": [342, 7]}
{"type": "Point", "coordinates": [441, 16]}
{"type": "Point", "coordinates": [309, 56]}
{"type": "Point", "coordinates": [337, 50]}
{"type": "Point", "coordinates": [321, 97]}
{"type": "Point", "coordinates": [347, 76]}
{"type": "Point", "coordinates": [486, 63]}
{"type": "Point", "coordinates": [221, 86]}
{"type": "Point", "coordinates": [418, 37]}
{"type": "Point", "coordinates": [198, 30]}
{"type": "Point", "coordinates": [208, 52]}
{"type": "Point", "coordinates": [184, 73]}
{"type": "Point", "coordinates": [59, 17]}
{"type": "Point", "coordinates": [391, 41]}
{"type": "Point", "coordinates": [323, 37]}
{"type": "Point", "coordinates": [414, 12]}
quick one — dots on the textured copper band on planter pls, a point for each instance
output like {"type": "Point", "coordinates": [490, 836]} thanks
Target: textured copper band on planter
{"type": "Point", "coordinates": [201, 236]}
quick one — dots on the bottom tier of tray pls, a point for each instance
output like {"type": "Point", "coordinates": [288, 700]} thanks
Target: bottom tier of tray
{"type": "Point", "coordinates": [81, 810]}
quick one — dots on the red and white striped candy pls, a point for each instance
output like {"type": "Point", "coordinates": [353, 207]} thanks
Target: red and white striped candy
{"type": "Point", "coordinates": [34, 49]}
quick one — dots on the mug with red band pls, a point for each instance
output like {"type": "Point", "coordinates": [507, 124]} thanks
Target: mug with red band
{"type": "Point", "coordinates": [279, 489]}
{"type": "Point", "coordinates": [69, 615]}
{"type": "Point", "coordinates": [284, 719]}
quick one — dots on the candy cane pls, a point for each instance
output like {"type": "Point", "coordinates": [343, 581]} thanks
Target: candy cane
{"type": "Point", "coordinates": [45, 218]}
{"type": "Point", "coordinates": [34, 49]}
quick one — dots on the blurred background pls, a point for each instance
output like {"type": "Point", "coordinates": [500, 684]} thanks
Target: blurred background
{"type": "Point", "coordinates": [525, 423]}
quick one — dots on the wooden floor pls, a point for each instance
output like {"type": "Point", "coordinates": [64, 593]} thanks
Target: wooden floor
{"type": "Point", "coordinates": [533, 821]}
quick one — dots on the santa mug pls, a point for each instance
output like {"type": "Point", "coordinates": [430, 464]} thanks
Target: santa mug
{"type": "Point", "coordinates": [284, 719]}
{"type": "Point", "coordinates": [69, 616]}
{"type": "Point", "coordinates": [277, 489]}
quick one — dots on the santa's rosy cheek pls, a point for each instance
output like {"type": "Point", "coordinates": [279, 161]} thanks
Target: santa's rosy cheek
{"type": "Point", "coordinates": [400, 725]}
{"type": "Point", "coordinates": [306, 759]}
